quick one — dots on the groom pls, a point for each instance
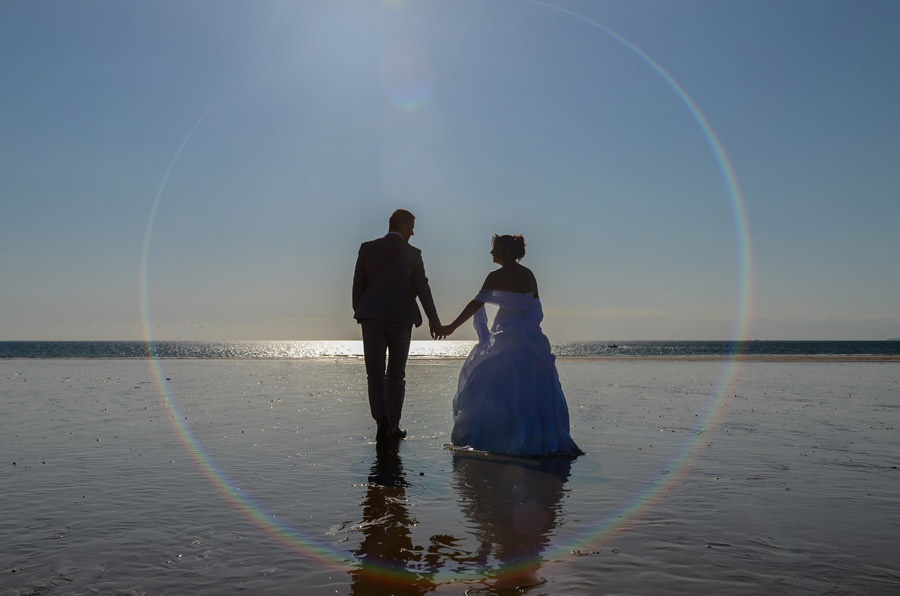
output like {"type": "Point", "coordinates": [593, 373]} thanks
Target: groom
{"type": "Point", "coordinates": [389, 276]}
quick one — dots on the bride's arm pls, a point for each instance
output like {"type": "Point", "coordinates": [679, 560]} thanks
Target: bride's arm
{"type": "Point", "coordinates": [470, 309]}
{"type": "Point", "coordinates": [466, 314]}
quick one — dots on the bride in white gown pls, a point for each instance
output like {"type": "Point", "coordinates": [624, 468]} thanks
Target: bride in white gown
{"type": "Point", "coordinates": [509, 399]}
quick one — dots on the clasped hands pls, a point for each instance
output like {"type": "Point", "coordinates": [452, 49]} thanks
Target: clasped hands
{"type": "Point", "coordinates": [441, 331]}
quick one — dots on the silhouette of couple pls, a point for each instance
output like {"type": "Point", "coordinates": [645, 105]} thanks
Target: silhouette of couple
{"type": "Point", "coordinates": [509, 399]}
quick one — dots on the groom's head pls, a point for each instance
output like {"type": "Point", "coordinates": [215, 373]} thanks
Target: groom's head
{"type": "Point", "coordinates": [402, 222]}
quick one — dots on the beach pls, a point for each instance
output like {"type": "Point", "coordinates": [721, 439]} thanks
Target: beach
{"type": "Point", "coordinates": [701, 476]}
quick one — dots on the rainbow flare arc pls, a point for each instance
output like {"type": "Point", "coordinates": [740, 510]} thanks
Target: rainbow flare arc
{"type": "Point", "coordinates": [679, 463]}
{"type": "Point", "coordinates": [602, 530]}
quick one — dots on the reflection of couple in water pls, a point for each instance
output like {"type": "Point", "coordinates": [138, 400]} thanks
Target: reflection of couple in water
{"type": "Point", "coordinates": [510, 505]}
{"type": "Point", "coordinates": [508, 402]}
{"type": "Point", "coordinates": [509, 399]}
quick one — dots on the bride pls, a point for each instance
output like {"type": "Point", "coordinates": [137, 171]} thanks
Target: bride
{"type": "Point", "coordinates": [509, 399]}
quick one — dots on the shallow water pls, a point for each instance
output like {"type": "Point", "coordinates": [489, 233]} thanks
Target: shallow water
{"type": "Point", "coordinates": [270, 483]}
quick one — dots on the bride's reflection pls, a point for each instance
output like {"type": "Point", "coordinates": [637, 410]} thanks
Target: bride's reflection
{"type": "Point", "coordinates": [512, 504]}
{"type": "Point", "coordinates": [386, 551]}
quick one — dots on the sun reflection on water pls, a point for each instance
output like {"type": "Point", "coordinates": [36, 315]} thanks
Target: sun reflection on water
{"type": "Point", "coordinates": [330, 349]}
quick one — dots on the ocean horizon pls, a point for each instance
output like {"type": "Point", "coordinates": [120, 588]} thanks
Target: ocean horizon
{"type": "Point", "coordinates": [306, 349]}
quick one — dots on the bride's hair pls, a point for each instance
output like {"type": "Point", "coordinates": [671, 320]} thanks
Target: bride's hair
{"type": "Point", "coordinates": [514, 244]}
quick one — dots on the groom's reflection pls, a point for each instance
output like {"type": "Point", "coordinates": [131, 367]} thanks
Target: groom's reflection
{"type": "Point", "coordinates": [512, 504]}
{"type": "Point", "coordinates": [386, 550]}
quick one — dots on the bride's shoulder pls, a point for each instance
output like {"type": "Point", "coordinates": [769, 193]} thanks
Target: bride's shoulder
{"type": "Point", "coordinates": [498, 279]}
{"type": "Point", "coordinates": [517, 280]}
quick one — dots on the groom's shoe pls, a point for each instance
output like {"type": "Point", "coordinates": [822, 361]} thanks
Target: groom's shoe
{"type": "Point", "coordinates": [383, 433]}
{"type": "Point", "coordinates": [398, 434]}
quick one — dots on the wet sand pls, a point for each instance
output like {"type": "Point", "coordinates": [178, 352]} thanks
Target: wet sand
{"type": "Point", "coordinates": [262, 477]}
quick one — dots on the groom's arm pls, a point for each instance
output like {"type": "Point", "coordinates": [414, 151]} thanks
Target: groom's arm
{"type": "Point", "coordinates": [360, 279]}
{"type": "Point", "coordinates": [423, 291]}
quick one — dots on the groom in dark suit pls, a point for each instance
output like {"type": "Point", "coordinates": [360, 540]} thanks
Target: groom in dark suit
{"type": "Point", "coordinates": [389, 276]}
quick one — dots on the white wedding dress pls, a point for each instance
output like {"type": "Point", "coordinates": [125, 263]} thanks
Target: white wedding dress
{"type": "Point", "coordinates": [509, 399]}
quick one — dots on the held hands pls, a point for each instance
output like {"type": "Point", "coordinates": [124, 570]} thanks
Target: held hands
{"type": "Point", "coordinates": [441, 331]}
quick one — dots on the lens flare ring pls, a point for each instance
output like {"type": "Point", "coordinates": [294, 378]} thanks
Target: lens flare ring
{"type": "Point", "coordinates": [409, 93]}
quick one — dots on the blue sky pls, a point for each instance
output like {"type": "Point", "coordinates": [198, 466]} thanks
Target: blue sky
{"type": "Point", "coordinates": [258, 143]}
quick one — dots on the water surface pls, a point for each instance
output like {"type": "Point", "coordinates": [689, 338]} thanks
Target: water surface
{"type": "Point", "coordinates": [261, 476]}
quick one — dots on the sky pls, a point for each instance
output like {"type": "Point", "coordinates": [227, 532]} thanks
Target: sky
{"type": "Point", "coordinates": [680, 169]}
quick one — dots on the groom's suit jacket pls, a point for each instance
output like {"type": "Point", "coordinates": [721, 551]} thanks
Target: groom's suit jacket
{"type": "Point", "coordinates": [389, 276]}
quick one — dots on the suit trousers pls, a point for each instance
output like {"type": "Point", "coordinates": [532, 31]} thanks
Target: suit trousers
{"type": "Point", "coordinates": [386, 391]}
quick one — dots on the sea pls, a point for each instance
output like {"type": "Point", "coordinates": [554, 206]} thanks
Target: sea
{"type": "Point", "coordinates": [437, 349]}
{"type": "Point", "coordinates": [219, 468]}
